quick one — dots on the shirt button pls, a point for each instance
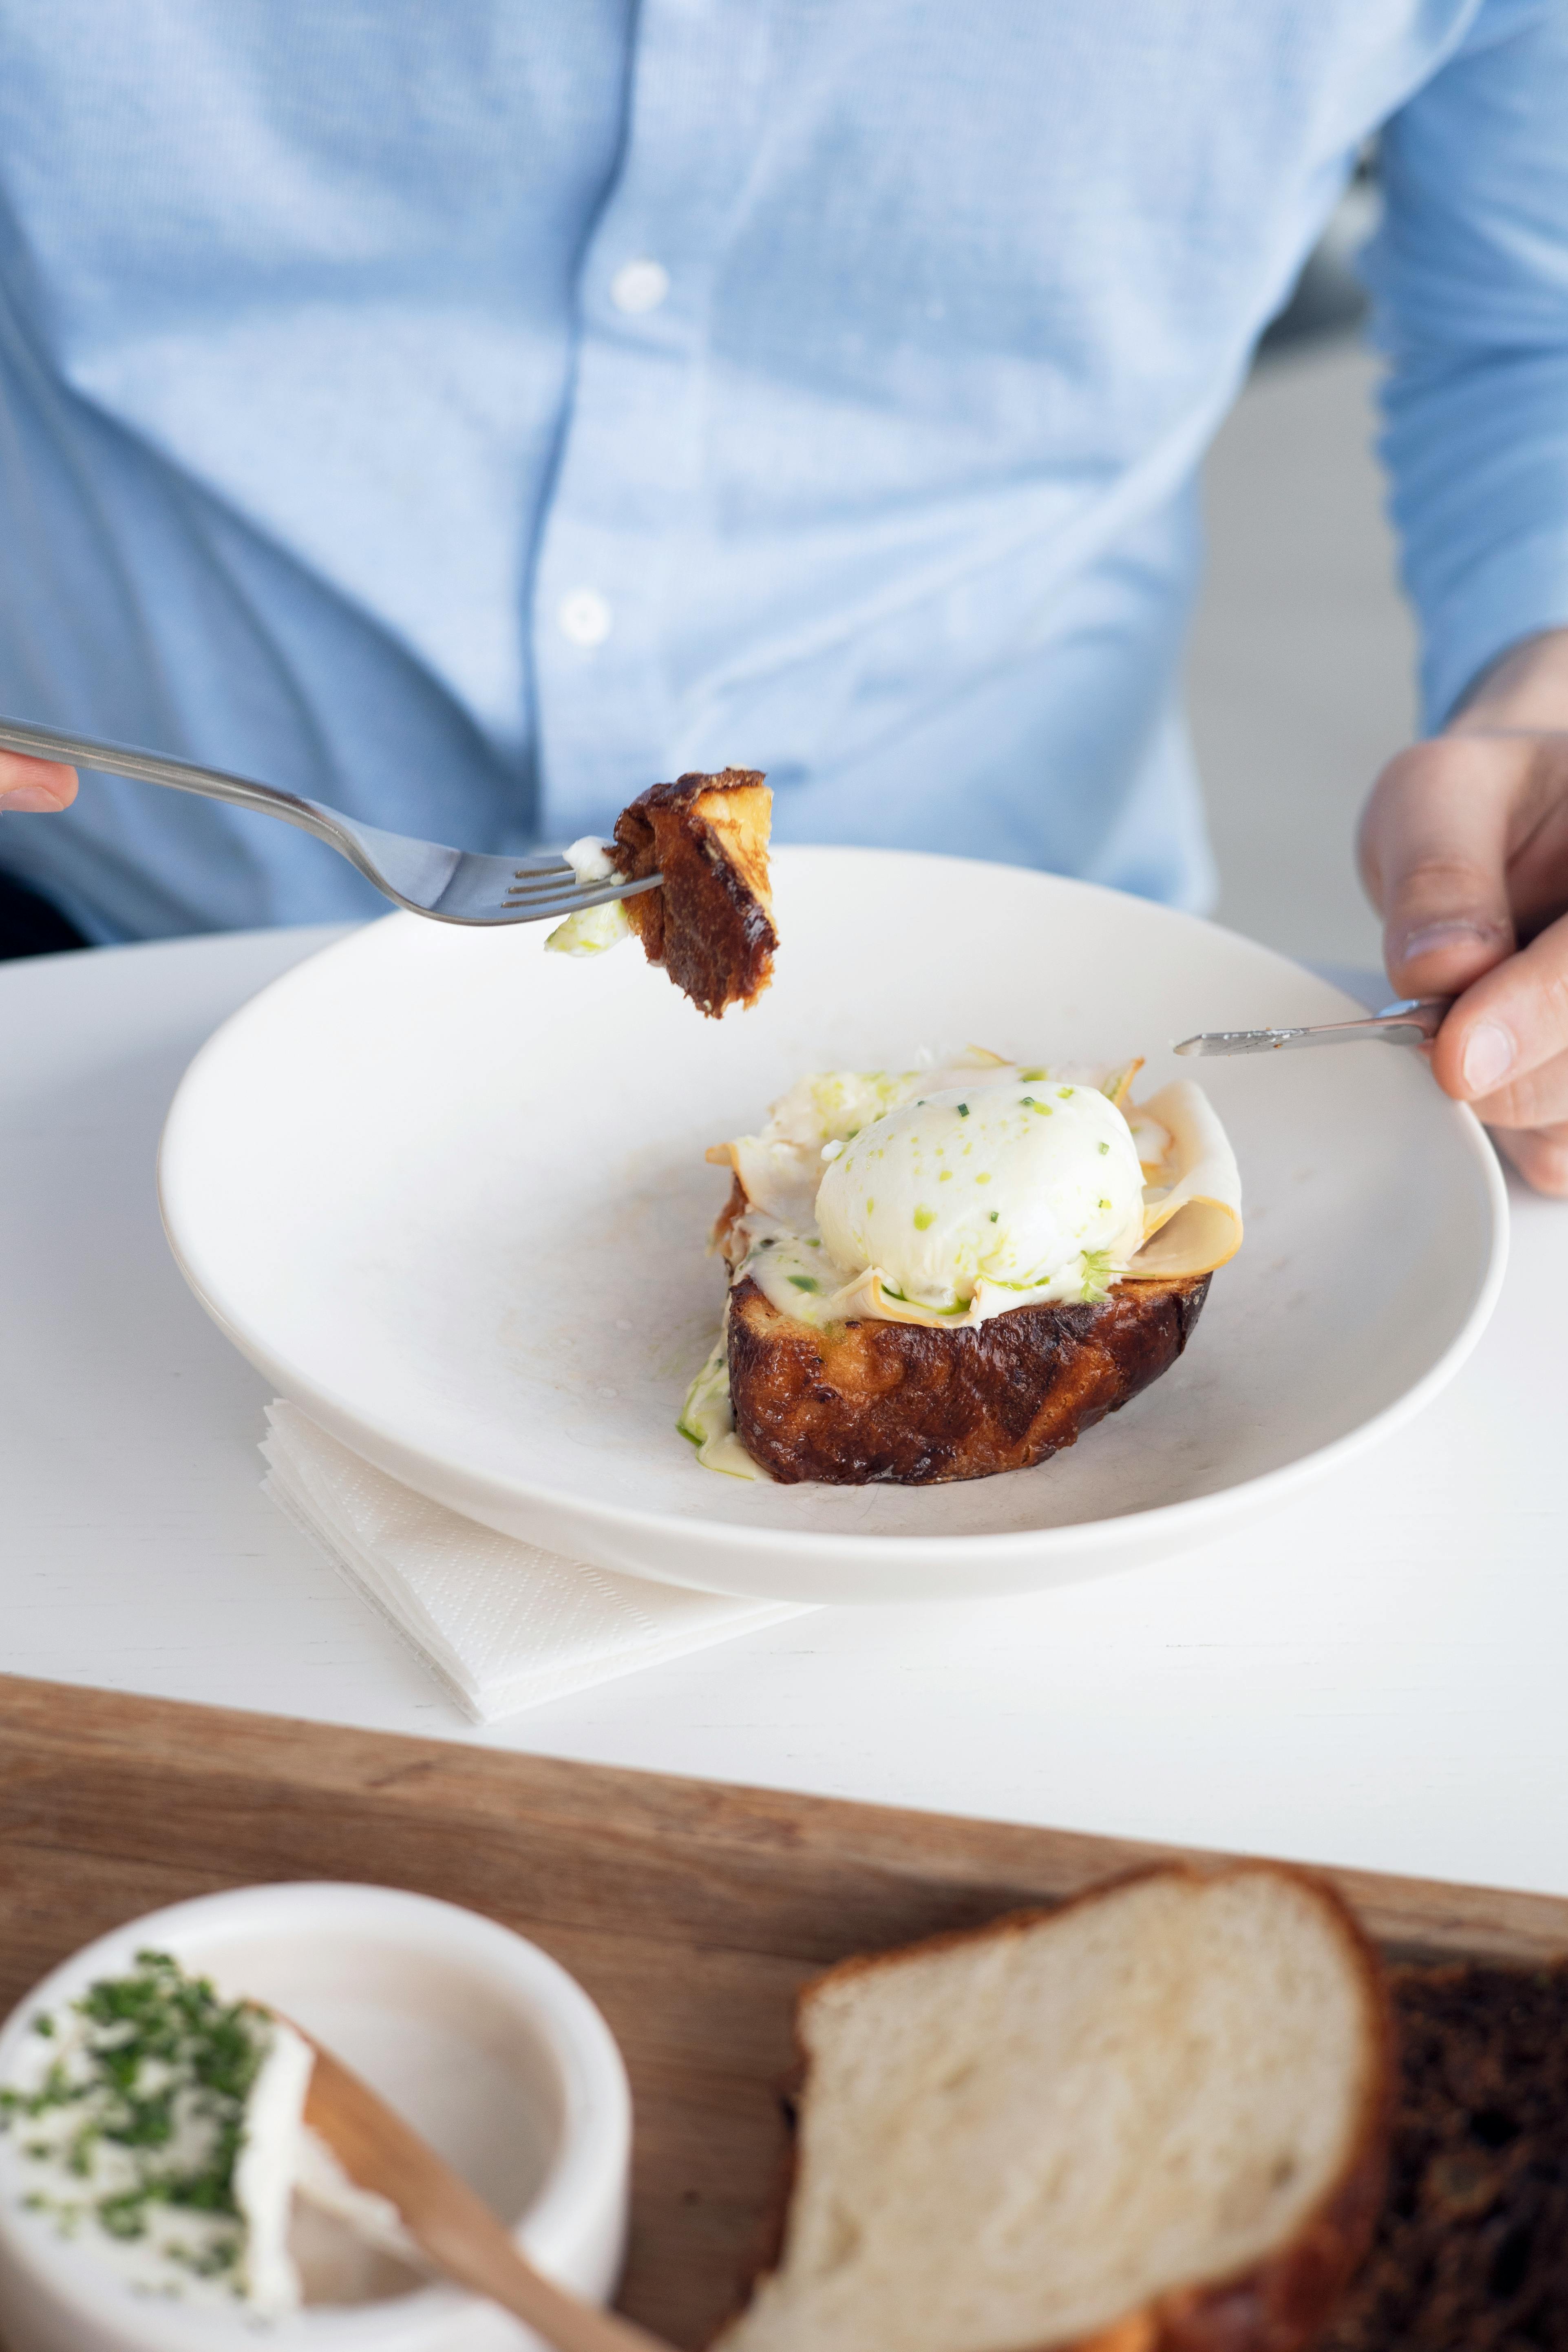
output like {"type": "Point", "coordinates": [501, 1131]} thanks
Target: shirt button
{"type": "Point", "coordinates": [639, 285]}
{"type": "Point", "coordinates": [585, 617]}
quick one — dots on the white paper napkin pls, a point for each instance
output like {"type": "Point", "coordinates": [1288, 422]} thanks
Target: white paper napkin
{"type": "Point", "coordinates": [502, 1624]}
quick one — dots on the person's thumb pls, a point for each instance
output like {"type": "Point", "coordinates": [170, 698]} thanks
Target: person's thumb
{"type": "Point", "coordinates": [1434, 848]}
{"type": "Point", "coordinates": [31, 787]}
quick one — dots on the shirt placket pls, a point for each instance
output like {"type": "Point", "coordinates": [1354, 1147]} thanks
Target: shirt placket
{"type": "Point", "coordinates": [627, 508]}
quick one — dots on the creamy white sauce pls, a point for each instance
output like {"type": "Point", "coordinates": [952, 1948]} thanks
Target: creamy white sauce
{"type": "Point", "coordinates": [707, 1418]}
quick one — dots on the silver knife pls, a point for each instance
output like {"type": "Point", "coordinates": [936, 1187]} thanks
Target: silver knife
{"type": "Point", "coordinates": [1410, 1020]}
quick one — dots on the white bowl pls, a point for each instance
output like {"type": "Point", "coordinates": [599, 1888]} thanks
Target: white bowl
{"type": "Point", "coordinates": [448, 1192]}
{"type": "Point", "coordinates": [488, 2046]}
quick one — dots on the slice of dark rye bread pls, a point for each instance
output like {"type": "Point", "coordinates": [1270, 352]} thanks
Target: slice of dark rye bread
{"type": "Point", "coordinates": [1153, 2120]}
{"type": "Point", "coordinates": [710, 922]}
{"type": "Point", "coordinates": [1471, 2251]}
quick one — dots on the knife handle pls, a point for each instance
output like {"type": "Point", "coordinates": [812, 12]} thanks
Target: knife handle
{"type": "Point", "coordinates": [1423, 1014]}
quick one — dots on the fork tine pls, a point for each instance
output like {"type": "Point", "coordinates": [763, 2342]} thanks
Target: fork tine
{"type": "Point", "coordinates": [545, 887]}
{"type": "Point", "coordinates": [566, 902]}
{"type": "Point", "coordinates": [574, 897]}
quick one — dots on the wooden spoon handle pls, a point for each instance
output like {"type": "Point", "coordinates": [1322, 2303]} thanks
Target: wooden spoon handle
{"type": "Point", "coordinates": [447, 2220]}
{"type": "Point", "coordinates": [492, 2266]}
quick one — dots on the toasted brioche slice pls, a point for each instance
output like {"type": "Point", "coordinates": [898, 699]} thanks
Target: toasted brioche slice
{"type": "Point", "coordinates": [1153, 2120]}
{"type": "Point", "coordinates": [850, 1404]}
{"type": "Point", "coordinates": [710, 922]}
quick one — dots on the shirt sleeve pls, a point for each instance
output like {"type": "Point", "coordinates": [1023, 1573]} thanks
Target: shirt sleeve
{"type": "Point", "coordinates": [1468, 274]}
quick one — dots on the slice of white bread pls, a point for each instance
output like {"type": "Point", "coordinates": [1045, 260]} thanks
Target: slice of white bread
{"type": "Point", "coordinates": [1156, 2118]}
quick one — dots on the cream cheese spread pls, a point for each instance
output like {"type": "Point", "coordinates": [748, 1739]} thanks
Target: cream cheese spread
{"type": "Point", "coordinates": [161, 2127]}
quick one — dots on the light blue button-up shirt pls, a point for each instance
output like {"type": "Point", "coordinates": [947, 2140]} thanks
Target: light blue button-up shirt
{"type": "Point", "coordinates": [467, 414]}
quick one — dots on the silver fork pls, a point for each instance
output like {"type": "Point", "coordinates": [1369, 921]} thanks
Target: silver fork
{"type": "Point", "coordinates": [454, 885]}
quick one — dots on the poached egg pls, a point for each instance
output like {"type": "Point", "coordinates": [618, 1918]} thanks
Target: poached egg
{"type": "Point", "coordinates": [1032, 1189]}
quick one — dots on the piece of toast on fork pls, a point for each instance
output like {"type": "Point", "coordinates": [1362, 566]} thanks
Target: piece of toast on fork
{"type": "Point", "coordinates": [710, 922]}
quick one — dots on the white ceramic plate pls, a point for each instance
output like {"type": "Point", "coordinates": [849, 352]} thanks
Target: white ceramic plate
{"type": "Point", "coordinates": [448, 1193]}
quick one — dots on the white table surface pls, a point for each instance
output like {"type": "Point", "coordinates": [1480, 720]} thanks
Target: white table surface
{"type": "Point", "coordinates": [1375, 1676]}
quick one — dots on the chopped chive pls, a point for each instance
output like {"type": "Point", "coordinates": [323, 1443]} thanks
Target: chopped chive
{"type": "Point", "coordinates": [922, 1218]}
{"type": "Point", "coordinates": [963, 1110]}
{"type": "Point", "coordinates": [805, 1282]}
{"type": "Point", "coordinates": [146, 2039]}
{"type": "Point", "coordinates": [995, 1214]}
{"type": "Point", "coordinates": [1104, 1147]}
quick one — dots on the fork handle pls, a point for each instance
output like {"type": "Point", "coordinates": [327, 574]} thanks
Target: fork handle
{"type": "Point", "coordinates": [180, 775]}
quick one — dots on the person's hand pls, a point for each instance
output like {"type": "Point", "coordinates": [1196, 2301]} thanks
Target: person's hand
{"type": "Point", "coordinates": [33, 787]}
{"type": "Point", "coordinates": [1464, 850]}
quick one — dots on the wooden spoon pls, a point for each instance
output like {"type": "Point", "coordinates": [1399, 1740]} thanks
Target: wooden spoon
{"type": "Point", "coordinates": [446, 2219]}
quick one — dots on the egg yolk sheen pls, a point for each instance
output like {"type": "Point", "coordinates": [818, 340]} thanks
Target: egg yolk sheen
{"type": "Point", "coordinates": [1030, 1186]}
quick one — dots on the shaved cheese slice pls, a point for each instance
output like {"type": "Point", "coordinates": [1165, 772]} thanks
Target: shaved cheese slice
{"type": "Point", "coordinates": [1118, 1083]}
{"type": "Point", "coordinates": [777, 1177]}
{"type": "Point", "coordinates": [1154, 1142]}
{"type": "Point", "coordinates": [867, 1299]}
{"type": "Point", "coordinates": [1200, 1237]}
{"type": "Point", "coordinates": [1194, 1224]}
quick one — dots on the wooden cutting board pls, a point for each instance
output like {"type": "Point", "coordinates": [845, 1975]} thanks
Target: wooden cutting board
{"type": "Point", "coordinates": [691, 1910]}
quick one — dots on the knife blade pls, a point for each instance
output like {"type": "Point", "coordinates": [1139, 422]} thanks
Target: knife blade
{"type": "Point", "coordinates": [1409, 1021]}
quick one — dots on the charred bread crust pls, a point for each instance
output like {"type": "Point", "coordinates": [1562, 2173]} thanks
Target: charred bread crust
{"type": "Point", "coordinates": [1285, 2302]}
{"type": "Point", "coordinates": [853, 1404]}
{"type": "Point", "coordinates": [1278, 2305]}
{"type": "Point", "coordinates": [710, 922]}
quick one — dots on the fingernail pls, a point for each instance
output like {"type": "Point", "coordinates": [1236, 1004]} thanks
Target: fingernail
{"type": "Point", "coordinates": [1489, 1057]}
{"type": "Point", "coordinates": [1434, 937]}
{"type": "Point", "coordinates": [29, 800]}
